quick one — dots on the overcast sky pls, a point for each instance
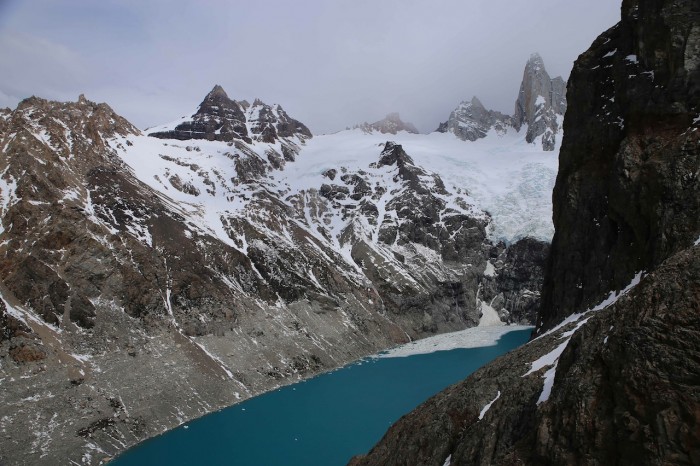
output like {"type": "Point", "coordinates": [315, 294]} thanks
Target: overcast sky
{"type": "Point", "coordinates": [329, 63]}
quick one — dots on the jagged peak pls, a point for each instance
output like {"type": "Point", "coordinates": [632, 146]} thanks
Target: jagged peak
{"type": "Point", "coordinates": [216, 93]}
{"type": "Point", "coordinates": [221, 118]}
{"type": "Point", "coordinates": [393, 154]}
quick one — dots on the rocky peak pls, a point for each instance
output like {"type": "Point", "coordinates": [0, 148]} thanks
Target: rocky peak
{"type": "Point", "coordinates": [540, 100]}
{"type": "Point", "coordinates": [219, 118]}
{"type": "Point", "coordinates": [471, 121]}
{"type": "Point", "coordinates": [393, 154]}
{"type": "Point", "coordinates": [217, 94]}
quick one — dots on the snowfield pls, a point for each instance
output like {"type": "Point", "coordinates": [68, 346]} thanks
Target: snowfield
{"type": "Point", "coordinates": [503, 175]}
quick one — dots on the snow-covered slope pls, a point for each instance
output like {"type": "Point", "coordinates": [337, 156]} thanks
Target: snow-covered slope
{"type": "Point", "coordinates": [502, 175]}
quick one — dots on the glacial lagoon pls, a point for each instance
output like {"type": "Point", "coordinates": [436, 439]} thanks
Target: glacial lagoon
{"type": "Point", "coordinates": [327, 419]}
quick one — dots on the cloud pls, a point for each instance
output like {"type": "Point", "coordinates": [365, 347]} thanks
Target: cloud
{"type": "Point", "coordinates": [33, 66]}
{"type": "Point", "coordinates": [330, 64]}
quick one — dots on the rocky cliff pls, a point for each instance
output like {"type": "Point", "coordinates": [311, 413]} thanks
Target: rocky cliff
{"type": "Point", "coordinates": [150, 279]}
{"type": "Point", "coordinates": [627, 193]}
{"type": "Point", "coordinates": [612, 377]}
{"type": "Point", "coordinates": [539, 108]}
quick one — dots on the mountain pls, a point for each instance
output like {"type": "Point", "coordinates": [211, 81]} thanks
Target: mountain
{"type": "Point", "coordinates": [147, 279]}
{"type": "Point", "coordinates": [391, 124]}
{"type": "Point", "coordinates": [219, 118]}
{"type": "Point", "coordinates": [612, 374]}
{"type": "Point", "coordinates": [540, 106]}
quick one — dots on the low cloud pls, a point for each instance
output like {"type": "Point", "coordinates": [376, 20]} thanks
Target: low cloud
{"type": "Point", "coordinates": [329, 64]}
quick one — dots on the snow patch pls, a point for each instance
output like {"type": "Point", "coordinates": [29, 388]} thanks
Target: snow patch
{"type": "Point", "coordinates": [485, 409]}
{"type": "Point", "coordinates": [548, 359]}
{"type": "Point", "coordinates": [552, 358]}
{"type": "Point", "coordinates": [548, 384]}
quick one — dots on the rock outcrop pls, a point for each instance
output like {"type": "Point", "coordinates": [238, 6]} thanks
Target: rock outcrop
{"type": "Point", "coordinates": [612, 376]}
{"type": "Point", "coordinates": [513, 280]}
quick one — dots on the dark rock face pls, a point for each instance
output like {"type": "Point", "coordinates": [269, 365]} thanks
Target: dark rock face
{"type": "Point", "coordinates": [513, 287]}
{"type": "Point", "coordinates": [627, 194]}
{"type": "Point", "coordinates": [616, 382]}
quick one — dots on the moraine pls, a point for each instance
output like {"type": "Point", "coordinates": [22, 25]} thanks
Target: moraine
{"type": "Point", "coordinates": [328, 419]}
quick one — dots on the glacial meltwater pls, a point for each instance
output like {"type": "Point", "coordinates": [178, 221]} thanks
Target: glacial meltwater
{"type": "Point", "coordinates": [321, 421]}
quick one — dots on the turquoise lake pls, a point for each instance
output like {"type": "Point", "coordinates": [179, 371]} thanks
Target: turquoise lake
{"type": "Point", "coordinates": [321, 421]}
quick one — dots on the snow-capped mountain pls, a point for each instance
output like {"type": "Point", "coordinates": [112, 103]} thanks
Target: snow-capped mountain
{"type": "Point", "coordinates": [218, 118]}
{"type": "Point", "coordinates": [229, 252]}
{"type": "Point", "coordinates": [539, 108]}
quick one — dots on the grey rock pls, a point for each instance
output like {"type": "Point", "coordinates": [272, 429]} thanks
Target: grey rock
{"type": "Point", "coordinates": [514, 288]}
